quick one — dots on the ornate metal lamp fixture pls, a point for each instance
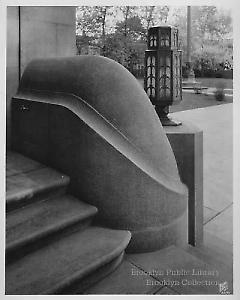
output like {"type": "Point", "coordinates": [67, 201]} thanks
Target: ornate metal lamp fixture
{"type": "Point", "coordinates": [163, 71]}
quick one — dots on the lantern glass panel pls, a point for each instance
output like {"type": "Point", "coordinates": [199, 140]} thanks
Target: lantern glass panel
{"type": "Point", "coordinates": [168, 82]}
{"type": "Point", "coordinates": [168, 92]}
{"type": "Point", "coordinates": [164, 39]}
{"type": "Point", "coordinates": [155, 41]}
{"type": "Point", "coordinates": [148, 71]}
{"type": "Point", "coordinates": [162, 79]}
{"type": "Point", "coordinates": [168, 62]}
{"type": "Point", "coordinates": [153, 82]}
{"type": "Point", "coordinates": [162, 92]}
{"type": "Point", "coordinates": [151, 41]}
{"type": "Point", "coordinates": [167, 41]}
{"type": "Point", "coordinates": [168, 72]}
{"type": "Point", "coordinates": [150, 80]}
{"type": "Point", "coordinates": [161, 62]}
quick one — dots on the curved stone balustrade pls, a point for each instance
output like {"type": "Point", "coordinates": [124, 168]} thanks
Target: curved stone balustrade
{"type": "Point", "coordinates": [93, 121]}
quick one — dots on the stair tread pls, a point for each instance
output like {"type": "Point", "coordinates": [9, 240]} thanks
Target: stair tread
{"type": "Point", "coordinates": [39, 219]}
{"type": "Point", "coordinates": [73, 257]}
{"type": "Point", "coordinates": [27, 184]}
{"type": "Point", "coordinates": [17, 163]}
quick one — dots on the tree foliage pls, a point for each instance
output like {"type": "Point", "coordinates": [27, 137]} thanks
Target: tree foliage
{"type": "Point", "coordinates": [120, 31]}
{"type": "Point", "coordinates": [211, 36]}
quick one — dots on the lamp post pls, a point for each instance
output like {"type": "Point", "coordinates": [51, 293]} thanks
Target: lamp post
{"type": "Point", "coordinates": [163, 71]}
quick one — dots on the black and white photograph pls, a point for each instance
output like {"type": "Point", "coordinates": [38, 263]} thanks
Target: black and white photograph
{"type": "Point", "coordinates": [118, 150]}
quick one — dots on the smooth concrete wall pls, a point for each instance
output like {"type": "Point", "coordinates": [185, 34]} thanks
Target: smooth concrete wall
{"type": "Point", "coordinates": [35, 32]}
{"type": "Point", "coordinates": [46, 32]}
{"type": "Point", "coordinates": [12, 72]}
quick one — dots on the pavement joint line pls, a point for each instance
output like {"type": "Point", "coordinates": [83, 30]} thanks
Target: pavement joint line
{"type": "Point", "coordinates": [141, 268]}
{"type": "Point", "coordinates": [218, 213]}
{"type": "Point", "coordinates": [170, 288]}
{"type": "Point", "coordinates": [209, 207]}
{"type": "Point", "coordinates": [153, 291]}
{"type": "Point", "coordinates": [132, 263]}
{"type": "Point", "coordinates": [226, 207]}
{"type": "Point", "coordinates": [213, 217]}
{"type": "Point", "coordinates": [158, 290]}
{"type": "Point", "coordinates": [204, 223]}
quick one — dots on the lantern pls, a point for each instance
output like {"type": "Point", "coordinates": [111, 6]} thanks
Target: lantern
{"type": "Point", "coordinates": [163, 70]}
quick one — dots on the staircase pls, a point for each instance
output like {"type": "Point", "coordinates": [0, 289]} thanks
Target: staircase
{"type": "Point", "coordinates": [52, 247]}
{"type": "Point", "coordinates": [51, 244]}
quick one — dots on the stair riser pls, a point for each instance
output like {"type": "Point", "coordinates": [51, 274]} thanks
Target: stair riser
{"type": "Point", "coordinates": [14, 252]}
{"type": "Point", "coordinates": [43, 195]}
{"type": "Point", "coordinates": [80, 285]}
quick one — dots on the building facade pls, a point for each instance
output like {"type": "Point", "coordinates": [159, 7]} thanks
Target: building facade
{"type": "Point", "coordinates": [35, 32]}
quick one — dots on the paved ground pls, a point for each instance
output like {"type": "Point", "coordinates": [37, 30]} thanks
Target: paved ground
{"type": "Point", "coordinates": [216, 123]}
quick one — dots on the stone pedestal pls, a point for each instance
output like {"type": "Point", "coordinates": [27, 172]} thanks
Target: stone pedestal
{"type": "Point", "coordinates": [187, 144]}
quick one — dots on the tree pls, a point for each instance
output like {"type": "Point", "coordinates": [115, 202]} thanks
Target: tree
{"type": "Point", "coordinates": [210, 23]}
{"type": "Point", "coordinates": [91, 22]}
{"type": "Point", "coordinates": [114, 47]}
{"type": "Point", "coordinates": [147, 16]}
{"type": "Point", "coordinates": [120, 31]}
{"type": "Point", "coordinates": [210, 27]}
{"type": "Point", "coordinates": [132, 28]}
{"type": "Point", "coordinates": [124, 29]}
{"type": "Point", "coordinates": [103, 12]}
{"type": "Point", "coordinates": [152, 16]}
{"type": "Point", "coordinates": [161, 14]}
{"type": "Point", "coordinates": [130, 31]}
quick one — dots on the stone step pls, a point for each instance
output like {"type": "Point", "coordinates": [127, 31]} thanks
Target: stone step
{"type": "Point", "coordinates": [54, 268]}
{"type": "Point", "coordinates": [34, 225]}
{"type": "Point", "coordinates": [29, 181]}
{"type": "Point", "coordinates": [17, 163]}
